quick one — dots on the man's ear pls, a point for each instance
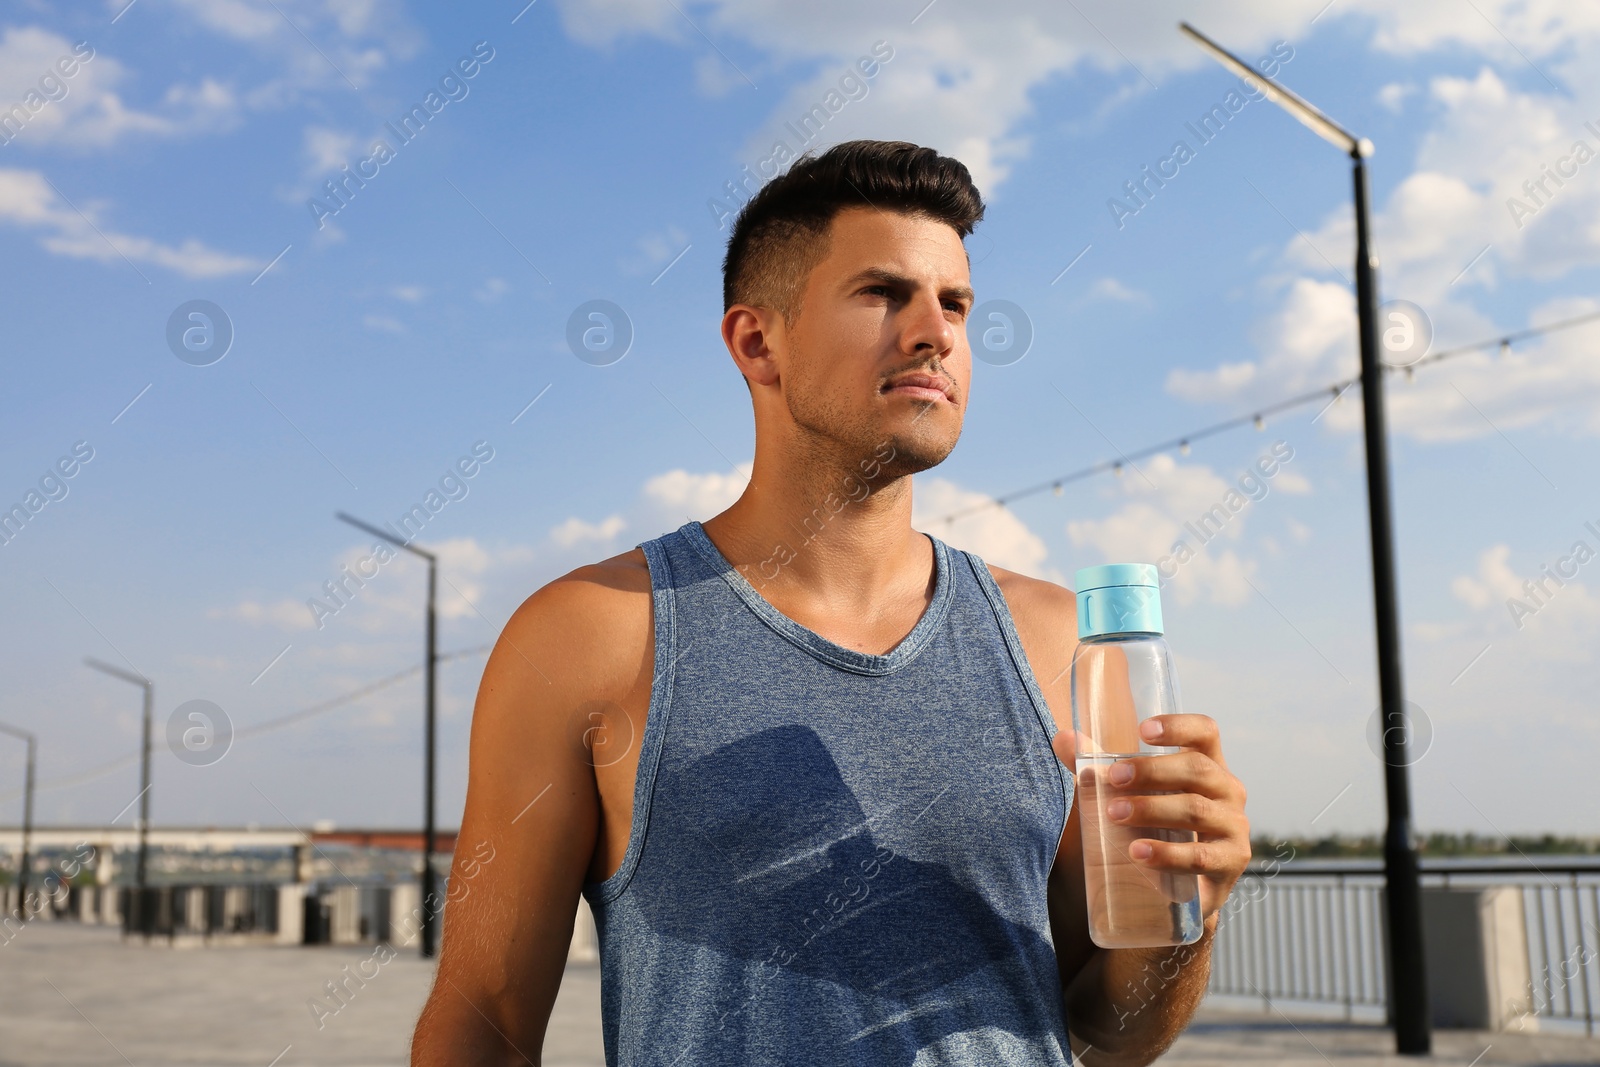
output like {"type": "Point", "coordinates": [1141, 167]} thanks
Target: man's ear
{"type": "Point", "coordinates": [754, 336]}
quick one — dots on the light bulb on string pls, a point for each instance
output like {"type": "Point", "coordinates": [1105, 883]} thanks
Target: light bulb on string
{"type": "Point", "coordinates": [1056, 489]}
{"type": "Point", "coordinates": [1183, 447]}
{"type": "Point", "coordinates": [1260, 423]}
{"type": "Point", "coordinates": [1116, 468]}
{"type": "Point", "coordinates": [1505, 347]}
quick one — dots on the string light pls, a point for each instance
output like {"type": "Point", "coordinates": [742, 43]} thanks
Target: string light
{"type": "Point", "coordinates": [1336, 390]}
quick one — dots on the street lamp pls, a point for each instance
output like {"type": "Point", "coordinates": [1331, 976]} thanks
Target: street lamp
{"type": "Point", "coordinates": [27, 816]}
{"type": "Point", "coordinates": [141, 912]}
{"type": "Point", "coordinates": [1408, 991]}
{"type": "Point", "coordinates": [429, 912]}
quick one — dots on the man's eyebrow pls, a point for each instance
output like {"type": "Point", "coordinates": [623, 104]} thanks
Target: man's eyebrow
{"type": "Point", "coordinates": [889, 277]}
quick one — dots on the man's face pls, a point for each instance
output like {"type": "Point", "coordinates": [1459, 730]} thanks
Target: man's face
{"type": "Point", "coordinates": [891, 298]}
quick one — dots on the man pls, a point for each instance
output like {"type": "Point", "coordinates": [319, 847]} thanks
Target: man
{"type": "Point", "coordinates": [804, 762]}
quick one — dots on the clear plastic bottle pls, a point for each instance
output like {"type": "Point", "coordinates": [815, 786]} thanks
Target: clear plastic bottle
{"type": "Point", "coordinates": [1121, 676]}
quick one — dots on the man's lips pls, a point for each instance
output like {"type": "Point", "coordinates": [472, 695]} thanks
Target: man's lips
{"type": "Point", "coordinates": [921, 386]}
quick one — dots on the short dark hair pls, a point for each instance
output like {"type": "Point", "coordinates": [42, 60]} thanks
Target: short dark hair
{"type": "Point", "coordinates": [782, 232]}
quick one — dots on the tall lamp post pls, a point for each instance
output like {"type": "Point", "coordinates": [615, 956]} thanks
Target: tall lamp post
{"type": "Point", "coordinates": [27, 816]}
{"type": "Point", "coordinates": [141, 911]}
{"type": "Point", "coordinates": [1408, 991]}
{"type": "Point", "coordinates": [430, 915]}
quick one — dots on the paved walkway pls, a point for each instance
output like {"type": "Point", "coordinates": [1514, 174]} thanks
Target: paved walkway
{"type": "Point", "coordinates": [72, 996]}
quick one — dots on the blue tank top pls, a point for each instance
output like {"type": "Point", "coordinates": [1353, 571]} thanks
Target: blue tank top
{"type": "Point", "coordinates": [836, 857]}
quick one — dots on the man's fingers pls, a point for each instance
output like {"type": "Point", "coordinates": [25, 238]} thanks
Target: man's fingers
{"type": "Point", "coordinates": [1209, 858]}
{"type": "Point", "coordinates": [1176, 772]}
{"type": "Point", "coordinates": [1198, 732]}
{"type": "Point", "coordinates": [1182, 811]}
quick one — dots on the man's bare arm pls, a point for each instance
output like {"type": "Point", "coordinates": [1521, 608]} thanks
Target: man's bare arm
{"type": "Point", "coordinates": [532, 800]}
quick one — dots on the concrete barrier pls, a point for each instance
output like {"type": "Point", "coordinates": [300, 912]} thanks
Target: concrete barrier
{"type": "Point", "coordinates": [291, 914]}
{"type": "Point", "coordinates": [1477, 957]}
{"type": "Point", "coordinates": [1475, 950]}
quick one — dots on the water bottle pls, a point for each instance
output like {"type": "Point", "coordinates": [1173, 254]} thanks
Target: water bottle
{"type": "Point", "coordinates": [1121, 676]}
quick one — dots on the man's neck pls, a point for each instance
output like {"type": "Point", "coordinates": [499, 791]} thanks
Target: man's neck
{"type": "Point", "coordinates": [828, 535]}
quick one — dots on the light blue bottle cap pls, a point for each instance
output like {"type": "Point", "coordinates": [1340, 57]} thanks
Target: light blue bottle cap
{"type": "Point", "coordinates": [1118, 598]}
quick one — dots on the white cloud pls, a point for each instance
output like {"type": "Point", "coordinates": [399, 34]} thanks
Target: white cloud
{"type": "Point", "coordinates": [1552, 618]}
{"type": "Point", "coordinates": [655, 251]}
{"type": "Point", "coordinates": [1493, 574]}
{"type": "Point", "coordinates": [679, 495]}
{"type": "Point", "coordinates": [1539, 27]}
{"type": "Point", "coordinates": [384, 600]}
{"type": "Point", "coordinates": [355, 39]}
{"type": "Point", "coordinates": [1289, 481]}
{"type": "Point", "coordinates": [576, 531]}
{"type": "Point", "coordinates": [463, 563]}
{"type": "Point", "coordinates": [1393, 95]}
{"type": "Point", "coordinates": [88, 111]}
{"type": "Point", "coordinates": [1446, 231]}
{"type": "Point", "coordinates": [1552, 382]}
{"type": "Point", "coordinates": [1444, 235]}
{"type": "Point", "coordinates": [1112, 289]}
{"type": "Point", "coordinates": [237, 19]}
{"type": "Point", "coordinates": [1188, 503]}
{"type": "Point", "coordinates": [383, 324]}
{"type": "Point", "coordinates": [284, 614]}
{"type": "Point", "coordinates": [491, 290]}
{"type": "Point", "coordinates": [326, 150]}
{"type": "Point", "coordinates": [1309, 342]}
{"type": "Point", "coordinates": [27, 200]}
{"type": "Point", "coordinates": [1479, 209]}
{"type": "Point", "coordinates": [963, 78]}
{"type": "Point", "coordinates": [995, 534]}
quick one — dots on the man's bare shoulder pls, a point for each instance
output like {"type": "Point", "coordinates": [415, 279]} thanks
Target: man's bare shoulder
{"type": "Point", "coordinates": [1035, 601]}
{"type": "Point", "coordinates": [1046, 618]}
{"type": "Point", "coordinates": [592, 624]}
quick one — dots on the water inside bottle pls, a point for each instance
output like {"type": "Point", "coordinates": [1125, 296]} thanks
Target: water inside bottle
{"type": "Point", "coordinates": [1130, 905]}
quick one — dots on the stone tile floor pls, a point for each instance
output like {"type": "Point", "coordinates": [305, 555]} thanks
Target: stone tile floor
{"type": "Point", "coordinates": [73, 995]}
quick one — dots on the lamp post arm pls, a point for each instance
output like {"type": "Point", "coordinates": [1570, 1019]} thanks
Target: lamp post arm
{"type": "Point", "coordinates": [116, 672]}
{"type": "Point", "coordinates": [1285, 98]}
{"type": "Point", "coordinates": [383, 534]}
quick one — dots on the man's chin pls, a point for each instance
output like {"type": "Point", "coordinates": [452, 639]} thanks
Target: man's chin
{"type": "Point", "coordinates": [912, 453]}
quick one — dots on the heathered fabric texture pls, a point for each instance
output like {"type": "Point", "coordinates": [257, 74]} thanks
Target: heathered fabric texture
{"type": "Point", "coordinates": [836, 857]}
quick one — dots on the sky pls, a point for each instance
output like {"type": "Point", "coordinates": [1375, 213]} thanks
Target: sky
{"type": "Point", "coordinates": [230, 315]}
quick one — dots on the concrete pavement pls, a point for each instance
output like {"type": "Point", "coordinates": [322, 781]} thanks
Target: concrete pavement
{"type": "Point", "coordinates": [73, 996]}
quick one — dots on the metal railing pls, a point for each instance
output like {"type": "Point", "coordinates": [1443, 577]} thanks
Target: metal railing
{"type": "Point", "coordinates": [1313, 932]}
{"type": "Point", "coordinates": [1296, 936]}
{"type": "Point", "coordinates": [206, 910]}
{"type": "Point", "coordinates": [1563, 942]}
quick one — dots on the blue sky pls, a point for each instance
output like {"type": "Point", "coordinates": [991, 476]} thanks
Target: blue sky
{"type": "Point", "coordinates": [584, 159]}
